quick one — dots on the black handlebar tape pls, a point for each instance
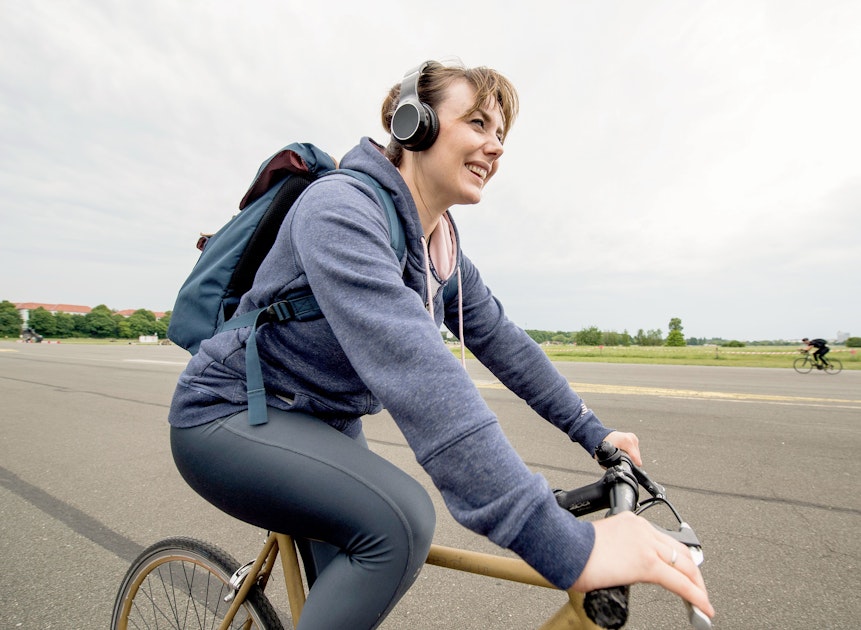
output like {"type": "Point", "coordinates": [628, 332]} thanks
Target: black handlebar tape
{"type": "Point", "coordinates": [607, 607]}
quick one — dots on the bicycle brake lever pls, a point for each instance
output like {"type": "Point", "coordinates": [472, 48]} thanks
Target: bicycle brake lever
{"type": "Point", "coordinates": [687, 536]}
{"type": "Point", "coordinates": [698, 618]}
{"type": "Point", "coordinates": [696, 555]}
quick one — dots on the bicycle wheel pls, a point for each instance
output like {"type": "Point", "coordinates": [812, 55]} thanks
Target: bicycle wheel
{"type": "Point", "coordinates": [181, 583]}
{"type": "Point", "coordinates": [803, 365]}
{"type": "Point", "coordinates": [834, 366]}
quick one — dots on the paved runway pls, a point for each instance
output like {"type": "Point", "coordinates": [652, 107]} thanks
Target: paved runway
{"type": "Point", "coordinates": [763, 463]}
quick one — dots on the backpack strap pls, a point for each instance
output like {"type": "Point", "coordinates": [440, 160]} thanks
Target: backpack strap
{"type": "Point", "coordinates": [257, 413]}
{"type": "Point", "coordinates": [300, 307]}
{"type": "Point", "coordinates": [396, 229]}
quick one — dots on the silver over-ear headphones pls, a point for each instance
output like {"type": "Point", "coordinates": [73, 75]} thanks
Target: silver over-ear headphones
{"type": "Point", "coordinates": [414, 124]}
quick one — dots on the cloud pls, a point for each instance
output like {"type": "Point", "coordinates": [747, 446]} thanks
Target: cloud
{"type": "Point", "coordinates": [671, 159]}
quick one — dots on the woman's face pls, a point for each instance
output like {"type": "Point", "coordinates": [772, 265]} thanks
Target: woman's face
{"type": "Point", "coordinates": [466, 152]}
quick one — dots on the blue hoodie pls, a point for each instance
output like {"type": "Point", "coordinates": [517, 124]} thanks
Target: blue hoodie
{"type": "Point", "coordinates": [377, 347]}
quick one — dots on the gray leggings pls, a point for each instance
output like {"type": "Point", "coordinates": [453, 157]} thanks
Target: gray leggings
{"type": "Point", "coordinates": [299, 476]}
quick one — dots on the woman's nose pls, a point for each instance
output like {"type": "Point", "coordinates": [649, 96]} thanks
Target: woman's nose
{"type": "Point", "coordinates": [494, 148]}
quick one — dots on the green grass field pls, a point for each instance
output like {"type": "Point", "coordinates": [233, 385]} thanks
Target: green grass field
{"type": "Point", "coordinates": [750, 356]}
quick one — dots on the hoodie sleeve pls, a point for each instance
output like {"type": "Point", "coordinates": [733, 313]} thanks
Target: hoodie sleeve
{"type": "Point", "coordinates": [396, 348]}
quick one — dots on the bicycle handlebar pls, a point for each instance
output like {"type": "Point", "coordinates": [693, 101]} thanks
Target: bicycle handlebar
{"type": "Point", "coordinates": [618, 491]}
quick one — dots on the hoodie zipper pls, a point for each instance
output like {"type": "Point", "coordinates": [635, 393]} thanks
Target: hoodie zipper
{"type": "Point", "coordinates": [430, 298]}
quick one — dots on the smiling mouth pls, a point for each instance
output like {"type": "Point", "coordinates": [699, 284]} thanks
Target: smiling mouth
{"type": "Point", "coordinates": [481, 172]}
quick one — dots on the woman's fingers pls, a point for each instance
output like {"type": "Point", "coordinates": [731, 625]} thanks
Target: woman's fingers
{"type": "Point", "coordinates": [682, 576]}
{"type": "Point", "coordinates": [685, 580]}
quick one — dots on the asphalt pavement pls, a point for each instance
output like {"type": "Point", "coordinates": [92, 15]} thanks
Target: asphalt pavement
{"type": "Point", "coordinates": [762, 462]}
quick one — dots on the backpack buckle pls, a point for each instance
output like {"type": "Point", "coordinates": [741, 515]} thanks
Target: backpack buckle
{"type": "Point", "coordinates": [279, 312]}
{"type": "Point", "coordinates": [301, 308]}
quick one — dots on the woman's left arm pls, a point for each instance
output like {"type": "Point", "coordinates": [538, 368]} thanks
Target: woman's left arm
{"type": "Point", "coordinates": [524, 368]}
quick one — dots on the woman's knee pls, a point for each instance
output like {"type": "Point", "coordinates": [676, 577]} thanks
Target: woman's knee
{"type": "Point", "coordinates": [421, 516]}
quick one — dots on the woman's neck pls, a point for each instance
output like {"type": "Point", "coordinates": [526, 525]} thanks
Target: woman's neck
{"type": "Point", "coordinates": [429, 213]}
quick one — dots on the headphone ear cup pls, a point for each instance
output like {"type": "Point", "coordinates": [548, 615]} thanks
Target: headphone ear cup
{"type": "Point", "coordinates": [415, 125]}
{"type": "Point", "coordinates": [430, 131]}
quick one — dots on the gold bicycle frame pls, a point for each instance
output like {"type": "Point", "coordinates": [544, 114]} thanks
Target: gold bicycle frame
{"type": "Point", "coordinates": [570, 616]}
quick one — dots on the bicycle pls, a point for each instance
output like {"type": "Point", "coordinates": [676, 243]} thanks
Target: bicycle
{"type": "Point", "coordinates": [183, 583]}
{"type": "Point", "coordinates": [805, 364]}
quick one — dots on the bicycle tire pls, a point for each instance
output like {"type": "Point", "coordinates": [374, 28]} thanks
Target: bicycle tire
{"type": "Point", "coordinates": [180, 584]}
{"type": "Point", "coordinates": [803, 365]}
{"type": "Point", "coordinates": [835, 366]}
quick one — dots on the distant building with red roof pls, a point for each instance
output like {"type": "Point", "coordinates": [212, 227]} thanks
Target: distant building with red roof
{"type": "Point", "coordinates": [73, 309]}
{"type": "Point", "coordinates": [130, 311]}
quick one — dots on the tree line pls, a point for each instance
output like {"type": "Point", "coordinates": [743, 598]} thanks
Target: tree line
{"type": "Point", "coordinates": [100, 323]}
{"type": "Point", "coordinates": [594, 336]}
{"type": "Point", "coordinates": [103, 323]}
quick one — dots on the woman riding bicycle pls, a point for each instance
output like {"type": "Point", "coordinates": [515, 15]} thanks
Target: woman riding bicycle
{"type": "Point", "coordinates": [308, 471]}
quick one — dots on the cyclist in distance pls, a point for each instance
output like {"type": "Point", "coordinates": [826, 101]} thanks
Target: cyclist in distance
{"type": "Point", "coordinates": [817, 348]}
{"type": "Point", "coordinates": [308, 471]}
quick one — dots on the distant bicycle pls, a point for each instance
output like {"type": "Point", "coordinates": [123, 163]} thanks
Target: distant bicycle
{"type": "Point", "coordinates": [806, 364]}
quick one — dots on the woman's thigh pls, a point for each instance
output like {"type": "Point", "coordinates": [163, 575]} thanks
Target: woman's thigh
{"type": "Point", "coordinates": [297, 475]}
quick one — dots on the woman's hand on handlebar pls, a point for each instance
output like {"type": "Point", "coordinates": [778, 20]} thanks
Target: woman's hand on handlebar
{"type": "Point", "coordinates": [627, 442]}
{"type": "Point", "coordinates": [629, 550]}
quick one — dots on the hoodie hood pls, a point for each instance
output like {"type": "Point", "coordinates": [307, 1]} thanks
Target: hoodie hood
{"type": "Point", "coordinates": [369, 157]}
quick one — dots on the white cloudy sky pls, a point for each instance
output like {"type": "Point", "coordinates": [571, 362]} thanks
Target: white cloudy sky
{"type": "Point", "coordinates": [672, 158]}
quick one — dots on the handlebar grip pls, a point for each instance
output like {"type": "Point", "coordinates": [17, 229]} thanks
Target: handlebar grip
{"type": "Point", "coordinates": [607, 607]}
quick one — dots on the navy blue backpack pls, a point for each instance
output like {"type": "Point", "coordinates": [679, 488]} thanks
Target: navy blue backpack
{"type": "Point", "coordinates": [230, 258]}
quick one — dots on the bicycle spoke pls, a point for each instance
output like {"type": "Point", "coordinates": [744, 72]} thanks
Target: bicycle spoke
{"type": "Point", "coordinates": [156, 613]}
{"type": "Point", "coordinates": [191, 602]}
{"type": "Point", "coordinates": [171, 596]}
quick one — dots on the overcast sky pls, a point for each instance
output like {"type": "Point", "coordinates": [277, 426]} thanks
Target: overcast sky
{"type": "Point", "coordinates": [699, 160]}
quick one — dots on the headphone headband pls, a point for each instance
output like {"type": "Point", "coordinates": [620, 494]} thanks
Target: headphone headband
{"type": "Point", "coordinates": [414, 124]}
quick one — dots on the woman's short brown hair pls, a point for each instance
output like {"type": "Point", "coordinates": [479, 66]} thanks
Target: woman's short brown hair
{"type": "Point", "coordinates": [434, 81]}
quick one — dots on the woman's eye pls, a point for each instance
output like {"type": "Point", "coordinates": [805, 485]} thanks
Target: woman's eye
{"type": "Point", "coordinates": [479, 122]}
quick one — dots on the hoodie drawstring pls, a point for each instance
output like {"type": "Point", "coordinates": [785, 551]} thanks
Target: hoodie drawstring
{"type": "Point", "coordinates": [460, 317]}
